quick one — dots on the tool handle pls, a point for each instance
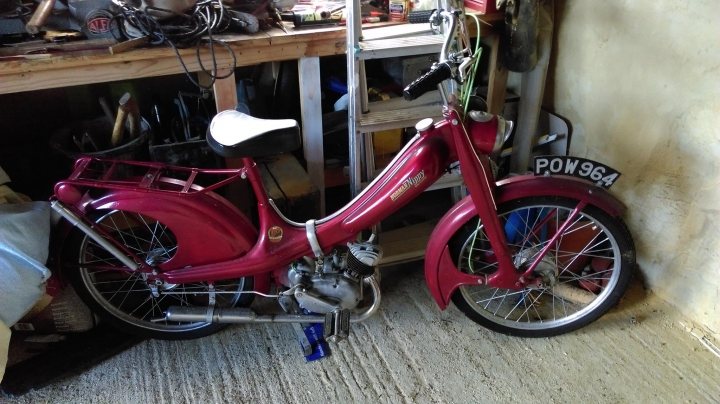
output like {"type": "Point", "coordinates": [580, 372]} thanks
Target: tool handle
{"type": "Point", "coordinates": [119, 127]}
{"type": "Point", "coordinates": [40, 16]}
{"type": "Point", "coordinates": [131, 109]}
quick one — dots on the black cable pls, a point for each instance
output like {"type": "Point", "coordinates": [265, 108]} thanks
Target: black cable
{"type": "Point", "coordinates": [20, 11]}
{"type": "Point", "coordinates": [207, 18]}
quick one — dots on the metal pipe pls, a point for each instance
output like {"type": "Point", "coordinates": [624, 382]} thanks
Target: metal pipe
{"type": "Point", "coordinates": [238, 315]}
{"type": "Point", "coordinates": [373, 283]}
{"type": "Point", "coordinates": [531, 94]}
{"type": "Point", "coordinates": [353, 27]}
{"type": "Point", "coordinates": [104, 243]}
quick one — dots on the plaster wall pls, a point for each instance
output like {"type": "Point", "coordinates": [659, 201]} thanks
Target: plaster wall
{"type": "Point", "coordinates": [639, 81]}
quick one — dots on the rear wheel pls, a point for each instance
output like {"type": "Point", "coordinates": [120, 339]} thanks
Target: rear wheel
{"type": "Point", "coordinates": [125, 298]}
{"type": "Point", "coordinates": [583, 275]}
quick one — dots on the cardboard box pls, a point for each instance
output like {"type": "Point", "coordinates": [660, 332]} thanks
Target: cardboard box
{"type": "Point", "coordinates": [483, 6]}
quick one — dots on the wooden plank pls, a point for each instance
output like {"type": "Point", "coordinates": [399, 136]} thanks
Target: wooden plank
{"type": "Point", "coordinates": [497, 79]}
{"type": "Point", "coordinates": [245, 44]}
{"type": "Point", "coordinates": [406, 243]}
{"type": "Point", "coordinates": [396, 31]}
{"type": "Point", "coordinates": [429, 98]}
{"type": "Point", "coordinates": [62, 71]}
{"type": "Point", "coordinates": [128, 45]}
{"type": "Point", "coordinates": [312, 131]}
{"type": "Point", "coordinates": [81, 71]}
{"type": "Point", "coordinates": [397, 47]}
{"type": "Point", "coordinates": [225, 90]}
{"type": "Point", "coordinates": [402, 118]}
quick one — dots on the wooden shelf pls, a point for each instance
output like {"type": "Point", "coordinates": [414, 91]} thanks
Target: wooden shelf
{"type": "Point", "coordinates": [393, 119]}
{"type": "Point", "coordinates": [399, 47]}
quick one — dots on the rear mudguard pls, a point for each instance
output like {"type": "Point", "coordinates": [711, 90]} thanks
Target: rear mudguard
{"type": "Point", "coordinates": [207, 227]}
{"type": "Point", "coordinates": [441, 273]}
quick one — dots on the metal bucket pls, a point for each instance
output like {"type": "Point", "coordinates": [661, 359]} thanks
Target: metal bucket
{"type": "Point", "coordinates": [92, 138]}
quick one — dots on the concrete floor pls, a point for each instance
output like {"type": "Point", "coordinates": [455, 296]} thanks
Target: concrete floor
{"type": "Point", "coordinates": [412, 352]}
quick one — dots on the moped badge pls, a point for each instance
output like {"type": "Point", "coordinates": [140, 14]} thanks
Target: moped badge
{"type": "Point", "coordinates": [275, 234]}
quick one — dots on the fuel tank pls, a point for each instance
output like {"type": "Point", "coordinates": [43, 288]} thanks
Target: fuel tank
{"type": "Point", "coordinates": [420, 165]}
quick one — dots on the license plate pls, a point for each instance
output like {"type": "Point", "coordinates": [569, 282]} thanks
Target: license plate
{"type": "Point", "coordinates": [598, 173]}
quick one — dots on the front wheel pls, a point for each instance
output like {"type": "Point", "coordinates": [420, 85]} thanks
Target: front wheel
{"type": "Point", "coordinates": [129, 301]}
{"type": "Point", "coordinates": [583, 274]}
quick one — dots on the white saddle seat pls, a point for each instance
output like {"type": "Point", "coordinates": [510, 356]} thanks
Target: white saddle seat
{"type": "Point", "coordinates": [236, 134]}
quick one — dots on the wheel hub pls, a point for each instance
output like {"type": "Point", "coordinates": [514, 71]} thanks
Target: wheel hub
{"type": "Point", "coordinates": [546, 269]}
{"type": "Point", "coordinates": [154, 258]}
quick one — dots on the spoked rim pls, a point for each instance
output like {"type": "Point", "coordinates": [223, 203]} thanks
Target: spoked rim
{"type": "Point", "coordinates": [127, 295]}
{"type": "Point", "coordinates": [579, 271]}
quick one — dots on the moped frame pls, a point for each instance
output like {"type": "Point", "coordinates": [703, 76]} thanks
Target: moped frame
{"type": "Point", "coordinates": [279, 240]}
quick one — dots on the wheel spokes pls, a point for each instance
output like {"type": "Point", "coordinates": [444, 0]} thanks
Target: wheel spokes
{"type": "Point", "coordinates": [126, 294]}
{"type": "Point", "coordinates": [573, 257]}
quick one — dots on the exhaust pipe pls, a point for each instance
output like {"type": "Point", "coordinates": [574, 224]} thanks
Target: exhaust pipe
{"type": "Point", "coordinates": [233, 315]}
{"type": "Point", "coordinates": [238, 315]}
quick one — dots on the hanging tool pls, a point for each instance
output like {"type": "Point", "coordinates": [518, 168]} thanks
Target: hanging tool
{"type": "Point", "coordinates": [40, 16]}
{"type": "Point", "coordinates": [277, 19]}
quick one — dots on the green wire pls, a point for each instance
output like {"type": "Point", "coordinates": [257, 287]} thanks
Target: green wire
{"type": "Point", "coordinates": [467, 87]}
{"type": "Point", "coordinates": [465, 92]}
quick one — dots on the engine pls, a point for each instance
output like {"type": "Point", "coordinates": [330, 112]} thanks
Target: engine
{"type": "Point", "coordinates": [335, 281]}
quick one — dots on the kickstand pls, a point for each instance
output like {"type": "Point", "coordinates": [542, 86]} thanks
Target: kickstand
{"type": "Point", "coordinates": [302, 339]}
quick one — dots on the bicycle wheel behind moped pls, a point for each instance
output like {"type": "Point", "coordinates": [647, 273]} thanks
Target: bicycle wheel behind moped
{"type": "Point", "coordinates": [125, 298]}
{"type": "Point", "coordinates": [583, 274]}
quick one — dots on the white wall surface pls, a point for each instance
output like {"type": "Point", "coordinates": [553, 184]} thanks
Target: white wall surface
{"type": "Point", "coordinates": [640, 82]}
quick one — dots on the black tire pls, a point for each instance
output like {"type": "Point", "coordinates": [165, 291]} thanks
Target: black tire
{"type": "Point", "coordinates": [585, 273]}
{"type": "Point", "coordinates": [124, 299]}
{"type": "Point", "coordinates": [520, 37]}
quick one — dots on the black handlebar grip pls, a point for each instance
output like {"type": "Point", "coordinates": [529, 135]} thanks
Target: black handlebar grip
{"type": "Point", "coordinates": [420, 16]}
{"type": "Point", "coordinates": [427, 81]}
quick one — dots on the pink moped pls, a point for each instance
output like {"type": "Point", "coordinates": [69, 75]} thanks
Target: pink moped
{"type": "Point", "coordinates": [156, 253]}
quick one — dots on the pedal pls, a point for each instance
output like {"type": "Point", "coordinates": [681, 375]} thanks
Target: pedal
{"type": "Point", "coordinates": [337, 325]}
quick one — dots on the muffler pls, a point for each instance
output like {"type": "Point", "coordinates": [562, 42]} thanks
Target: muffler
{"type": "Point", "coordinates": [233, 315]}
{"type": "Point", "coordinates": [238, 315]}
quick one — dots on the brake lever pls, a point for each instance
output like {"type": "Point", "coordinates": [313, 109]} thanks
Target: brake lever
{"type": "Point", "coordinates": [463, 68]}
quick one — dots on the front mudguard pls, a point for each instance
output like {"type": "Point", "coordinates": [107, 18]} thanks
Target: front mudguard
{"type": "Point", "coordinates": [441, 273]}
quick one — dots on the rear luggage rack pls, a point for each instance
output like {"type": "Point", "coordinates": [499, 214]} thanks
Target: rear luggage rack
{"type": "Point", "coordinates": [153, 177]}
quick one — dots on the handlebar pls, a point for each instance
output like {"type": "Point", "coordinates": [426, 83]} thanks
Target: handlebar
{"type": "Point", "coordinates": [449, 65]}
{"type": "Point", "coordinates": [438, 73]}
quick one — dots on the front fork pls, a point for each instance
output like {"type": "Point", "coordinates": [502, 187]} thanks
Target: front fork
{"type": "Point", "coordinates": [480, 182]}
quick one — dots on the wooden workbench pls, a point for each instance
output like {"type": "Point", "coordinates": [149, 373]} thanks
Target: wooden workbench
{"type": "Point", "coordinates": [304, 45]}
{"type": "Point", "coordinates": [76, 68]}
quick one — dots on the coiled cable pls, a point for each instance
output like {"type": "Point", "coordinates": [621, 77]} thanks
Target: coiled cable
{"type": "Point", "coordinates": [208, 17]}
